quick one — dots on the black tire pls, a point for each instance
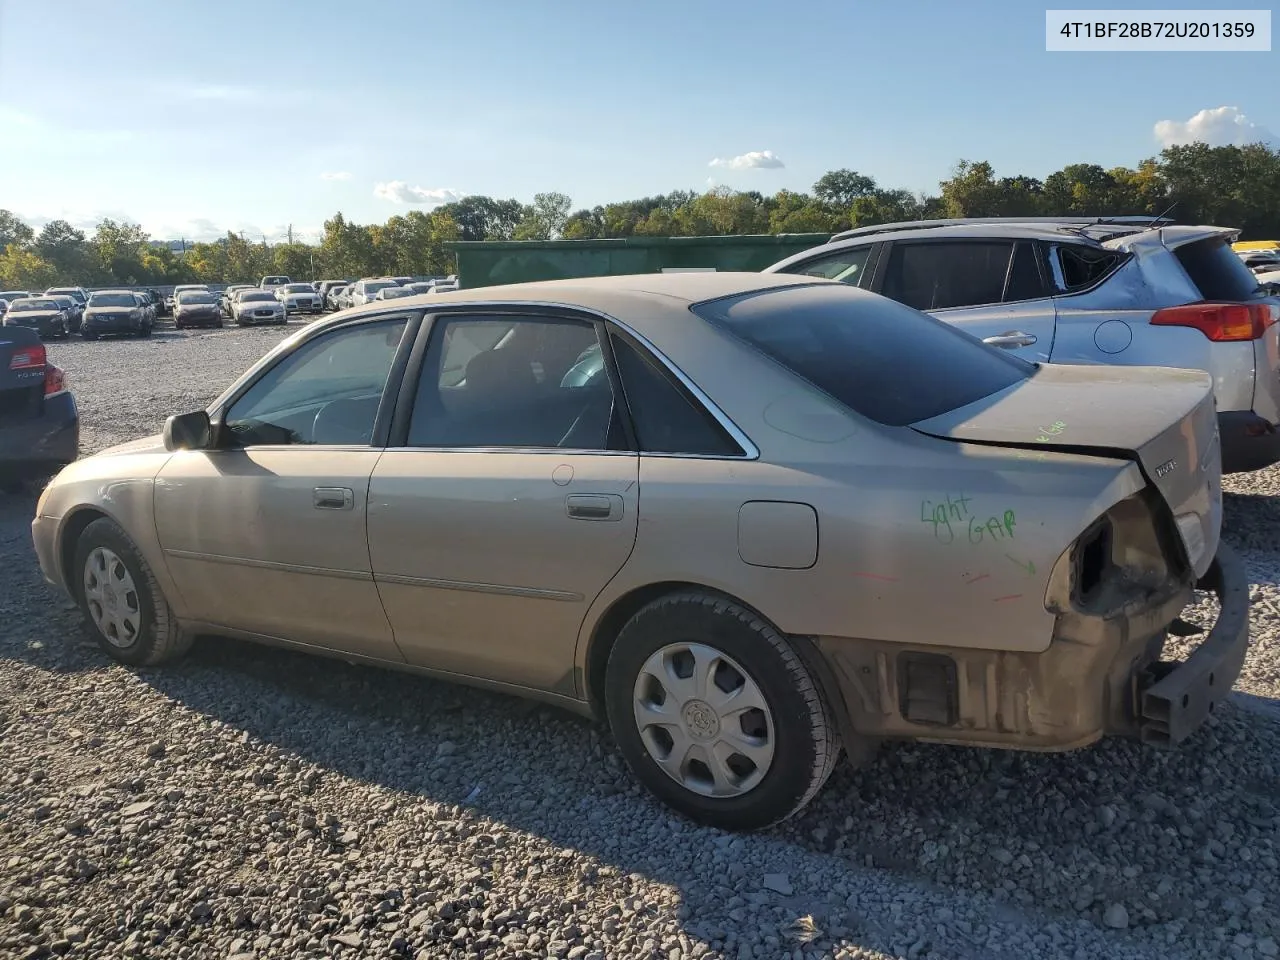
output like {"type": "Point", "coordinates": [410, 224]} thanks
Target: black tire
{"type": "Point", "coordinates": [805, 733]}
{"type": "Point", "coordinates": [159, 637]}
{"type": "Point", "coordinates": [145, 331]}
{"type": "Point", "coordinates": [88, 334]}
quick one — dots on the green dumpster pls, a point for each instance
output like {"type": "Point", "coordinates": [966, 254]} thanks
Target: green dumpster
{"type": "Point", "coordinates": [487, 262]}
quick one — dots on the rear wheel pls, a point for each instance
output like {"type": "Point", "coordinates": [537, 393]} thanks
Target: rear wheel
{"type": "Point", "coordinates": [88, 334]}
{"type": "Point", "coordinates": [716, 713]}
{"type": "Point", "coordinates": [121, 601]}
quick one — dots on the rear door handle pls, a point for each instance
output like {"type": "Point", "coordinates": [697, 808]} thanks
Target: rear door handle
{"type": "Point", "coordinates": [333, 498]}
{"type": "Point", "coordinates": [594, 506]}
{"type": "Point", "coordinates": [1011, 338]}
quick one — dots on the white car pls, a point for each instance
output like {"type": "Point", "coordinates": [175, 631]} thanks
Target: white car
{"type": "Point", "coordinates": [270, 283]}
{"type": "Point", "coordinates": [299, 298]}
{"type": "Point", "coordinates": [394, 293]}
{"type": "Point", "coordinates": [366, 291]}
{"type": "Point", "coordinates": [256, 306]}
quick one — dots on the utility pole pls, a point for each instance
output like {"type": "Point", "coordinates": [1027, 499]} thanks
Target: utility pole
{"type": "Point", "coordinates": [291, 234]}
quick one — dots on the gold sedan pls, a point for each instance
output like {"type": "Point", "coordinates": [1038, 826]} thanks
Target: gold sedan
{"type": "Point", "coordinates": [746, 518]}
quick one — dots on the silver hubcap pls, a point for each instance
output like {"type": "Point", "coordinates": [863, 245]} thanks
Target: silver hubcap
{"type": "Point", "coordinates": [112, 598]}
{"type": "Point", "coordinates": [703, 720]}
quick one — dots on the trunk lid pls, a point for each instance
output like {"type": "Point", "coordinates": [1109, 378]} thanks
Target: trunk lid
{"type": "Point", "coordinates": [1164, 419]}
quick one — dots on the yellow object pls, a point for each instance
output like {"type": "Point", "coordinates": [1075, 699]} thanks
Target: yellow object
{"type": "Point", "coordinates": [1244, 245]}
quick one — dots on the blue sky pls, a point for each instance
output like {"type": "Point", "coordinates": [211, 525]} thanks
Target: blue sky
{"type": "Point", "coordinates": [192, 118]}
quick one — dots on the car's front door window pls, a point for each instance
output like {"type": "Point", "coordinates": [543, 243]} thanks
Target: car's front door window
{"type": "Point", "coordinates": [506, 381]}
{"type": "Point", "coordinates": [325, 392]}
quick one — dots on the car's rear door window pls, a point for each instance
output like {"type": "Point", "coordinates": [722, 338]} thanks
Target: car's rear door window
{"type": "Point", "coordinates": [879, 358]}
{"type": "Point", "coordinates": [1217, 271]}
{"type": "Point", "coordinates": [936, 276]}
{"type": "Point", "coordinates": [512, 381]}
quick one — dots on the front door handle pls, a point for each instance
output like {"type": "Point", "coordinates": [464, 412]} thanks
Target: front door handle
{"type": "Point", "coordinates": [333, 498]}
{"type": "Point", "coordinates": [594, 506]}
{"type": "Point", "coordinates": [1011, 338]}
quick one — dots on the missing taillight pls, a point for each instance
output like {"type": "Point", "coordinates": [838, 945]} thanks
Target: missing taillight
{"type": "Point", "coordinates": [55, 379]}
{"type": "Point", "coordinates": [1093, 561]}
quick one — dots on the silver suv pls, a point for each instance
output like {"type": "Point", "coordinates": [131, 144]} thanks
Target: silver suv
{"type": "Point", "coordinates": [1129, 291]}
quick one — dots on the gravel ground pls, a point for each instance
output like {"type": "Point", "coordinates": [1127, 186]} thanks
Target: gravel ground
{"type": "Point", "coordinates": [253, 803]}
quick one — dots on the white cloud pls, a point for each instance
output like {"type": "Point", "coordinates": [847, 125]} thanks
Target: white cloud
{"type": "Point", "coordinates": [1218, 127]}
{"type": "Point", "coordinates": [755, 160]}
{"type": "Point", "coordinates": [335, 175]}
{"type": "Point", "coordinates": [397, 191]}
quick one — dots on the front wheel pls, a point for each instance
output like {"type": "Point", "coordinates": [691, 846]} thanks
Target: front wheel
{"type": "Point", "coordinates": [715, 712]}
{"type": "Point", "coordinates": [88, 334]}
{"type": "Point", "coordinates": [120, 599]}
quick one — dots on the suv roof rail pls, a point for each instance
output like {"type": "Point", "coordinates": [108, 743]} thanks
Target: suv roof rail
{"type": "Point", "coordinates": [1128, 220]}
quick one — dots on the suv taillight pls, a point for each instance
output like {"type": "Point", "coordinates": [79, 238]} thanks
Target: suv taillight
{"type": "Point", "coordinates": [54, 379]}
{"type": "Point", "coordinates": [1221, 321]}
{"type": "Point", "coordinates": [28, 358]}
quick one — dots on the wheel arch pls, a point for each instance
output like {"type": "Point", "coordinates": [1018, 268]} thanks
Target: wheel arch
{"type": "Point", "coordinates": [74, 524]}
{"type": "Point", "coordinates": [605, 632]}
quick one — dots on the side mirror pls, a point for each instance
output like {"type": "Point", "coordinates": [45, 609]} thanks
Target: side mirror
{"type": "Point", "coordinates": [188, 431]}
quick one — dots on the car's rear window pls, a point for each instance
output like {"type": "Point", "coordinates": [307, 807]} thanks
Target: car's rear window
{"type": "Point", "coordinates": [879, 358]}
{"type": "Point", "coordinates": [1217, 271]}
{"type": "Point", "coordinates": [111, 300]}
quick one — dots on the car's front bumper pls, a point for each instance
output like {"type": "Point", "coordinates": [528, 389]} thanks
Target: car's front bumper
{"type": "Point", "coordinates": [39, 445]}
{"type": "Point", "coordinates": [45, 326]}
{"type": "Point", "coordinates": [1099, 675]}
{"type": "Point", "coordinates": [110, 325]}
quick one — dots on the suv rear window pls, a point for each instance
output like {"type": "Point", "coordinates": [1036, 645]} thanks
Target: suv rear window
{"type": "Point", "coordinates": [879, 358]}
{"type": "Point", "coordinates": [1217, 271]}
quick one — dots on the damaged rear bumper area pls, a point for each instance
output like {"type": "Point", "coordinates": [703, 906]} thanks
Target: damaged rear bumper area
{"type": "Point", "coordinates": [1098, 676]}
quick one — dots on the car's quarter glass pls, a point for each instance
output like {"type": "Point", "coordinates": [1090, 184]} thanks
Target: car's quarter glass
{"type": "Point", "coordinates": [510, 506]}
{"type": "Point", "coordinates": [266, 532]}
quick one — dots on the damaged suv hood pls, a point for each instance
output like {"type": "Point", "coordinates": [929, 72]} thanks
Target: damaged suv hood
{"type": "Point", "coordinates": [1162, 418]}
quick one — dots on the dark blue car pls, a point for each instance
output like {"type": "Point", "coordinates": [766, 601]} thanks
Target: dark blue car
{"type": "Point", "coordinates": [39, 423]}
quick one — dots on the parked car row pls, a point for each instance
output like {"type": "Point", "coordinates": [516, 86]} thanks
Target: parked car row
{"type": "Point", "coordinates": [342, 295]}
{"type": "Point", "coordinates": [104, 312]}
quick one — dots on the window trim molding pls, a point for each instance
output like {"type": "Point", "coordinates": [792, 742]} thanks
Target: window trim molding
{"type": "Point", "coordinates": [398, 438]}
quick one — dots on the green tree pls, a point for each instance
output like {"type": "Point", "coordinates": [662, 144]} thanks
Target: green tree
{"type": "Point", "coordinates": [13, 230]}
{"type": "Point", "coordinates": [64, 247]}
{"type": "Point", "coordinates": [483, 218]}
{"type": "Point", "coordinates": [295, 260]}
{"type": "Point", "coordinates": [24, 270]}
{"type": "Point", "coordinates": [839, 188]}
{"type": "Point", "coordinates": [118, 251]}
{"type": "Point", "coordinates": [545, 218]}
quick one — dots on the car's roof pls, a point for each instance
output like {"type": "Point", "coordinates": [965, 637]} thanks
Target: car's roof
{"type": "Point", "coordinates": [602, 294]}
{"type": "Point", "coordinates": [640, 300]}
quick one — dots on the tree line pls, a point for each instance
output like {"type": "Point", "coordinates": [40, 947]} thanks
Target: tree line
{"type": "Point", "coordinates": [1236, 186]}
